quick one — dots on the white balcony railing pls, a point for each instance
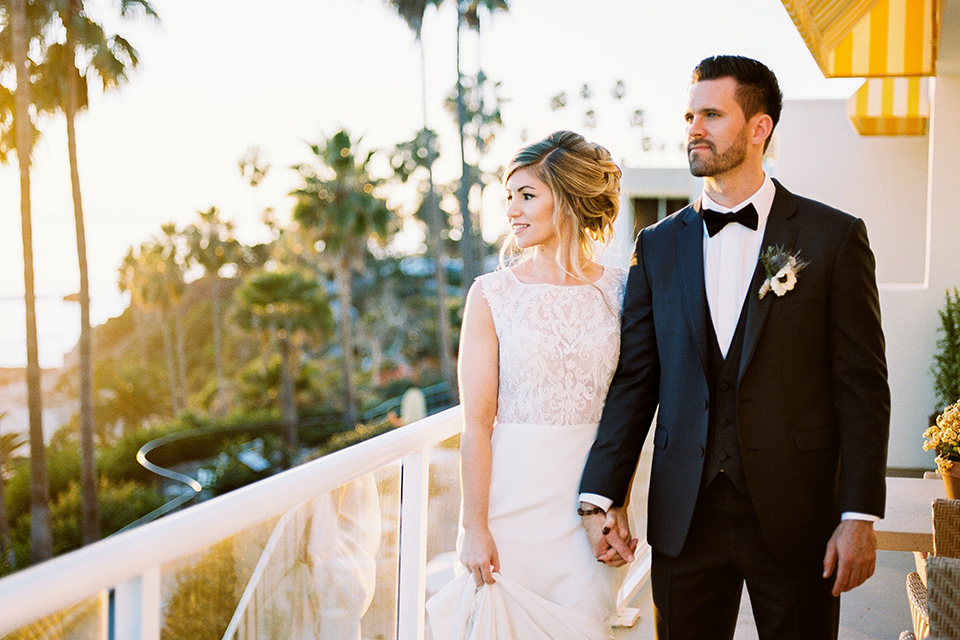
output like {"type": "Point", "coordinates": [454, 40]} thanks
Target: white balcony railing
{"type": "Point", "coordinates": [334, 548]}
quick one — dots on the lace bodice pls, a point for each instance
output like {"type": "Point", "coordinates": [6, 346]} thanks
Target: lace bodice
{"type": "Point", "coordinates": [558, 346]}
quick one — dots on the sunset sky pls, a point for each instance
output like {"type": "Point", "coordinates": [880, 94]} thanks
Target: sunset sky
{"type": "Point", "coordinates": [219, 76]}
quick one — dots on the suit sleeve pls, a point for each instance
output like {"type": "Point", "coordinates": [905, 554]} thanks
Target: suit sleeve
{"type": "Point", "coordinates": [632, 398]}
{"type": "Point", "coordinates": [861, 391]}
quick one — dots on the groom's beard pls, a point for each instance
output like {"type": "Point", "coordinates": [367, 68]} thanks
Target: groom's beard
{"type": "Point", "coordinates": [715, 164]}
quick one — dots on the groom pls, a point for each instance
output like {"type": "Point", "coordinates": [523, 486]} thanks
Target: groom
{"type": "Point", "coordinates": [752, 320]}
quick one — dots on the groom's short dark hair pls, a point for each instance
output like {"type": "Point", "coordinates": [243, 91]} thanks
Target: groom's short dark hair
{"type": "Point", "coordinates": [757, 90]}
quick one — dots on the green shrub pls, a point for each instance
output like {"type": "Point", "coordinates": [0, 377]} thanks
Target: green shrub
{"type": "Point", "coordinates": [63, 467]}
{"type": "Point", "coordinates": [120, 504]}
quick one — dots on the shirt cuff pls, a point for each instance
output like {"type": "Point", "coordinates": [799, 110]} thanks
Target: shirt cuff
{"type": "Point", "coordinates": [853, 515]}
{"type": "Point", "coordinates": [600, 501]}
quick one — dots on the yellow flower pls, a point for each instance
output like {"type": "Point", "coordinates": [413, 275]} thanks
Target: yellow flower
{"type": "Point", "coordinates": [944, 437]}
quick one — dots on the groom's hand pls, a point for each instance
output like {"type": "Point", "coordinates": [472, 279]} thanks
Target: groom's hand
{"type": "Point", "coordinates": [609, 537]}
{"type": "Point", "coordinates": [852, 552]}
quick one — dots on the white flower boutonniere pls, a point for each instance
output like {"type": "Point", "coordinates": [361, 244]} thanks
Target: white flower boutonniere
{"type": "Point", "coordinates": [782, 269]}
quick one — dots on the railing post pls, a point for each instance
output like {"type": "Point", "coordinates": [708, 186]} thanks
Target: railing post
{"type": "Point", "coordinates": [414, 493]}
{"type": "Point", "coordinates": [136, 608]}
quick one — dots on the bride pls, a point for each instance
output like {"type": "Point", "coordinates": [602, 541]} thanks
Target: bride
{"type": "Point", "coordinates": [539, 344]}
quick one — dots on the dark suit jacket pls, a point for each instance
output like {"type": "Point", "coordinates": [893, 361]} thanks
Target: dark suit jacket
{"type": "Point", "coordinates": [813, 402]}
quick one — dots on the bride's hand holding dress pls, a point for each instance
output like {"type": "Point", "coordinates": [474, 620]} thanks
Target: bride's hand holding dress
{"type": "Point", "coordinates": [479, 555]}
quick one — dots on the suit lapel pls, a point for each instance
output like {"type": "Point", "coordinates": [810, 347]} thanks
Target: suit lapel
{"type": "Point", "coordinates": [780, 231]}
{"type": "Point", "coordinates": [690, 267]}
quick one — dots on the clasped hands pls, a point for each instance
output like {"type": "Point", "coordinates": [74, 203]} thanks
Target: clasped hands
{"type": "Point", "coordinates": [609, 537]}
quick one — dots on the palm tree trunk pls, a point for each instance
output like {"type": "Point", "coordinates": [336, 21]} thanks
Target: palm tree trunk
{"type": "Point", "coordinates": [168, 356]}
{"type": "Point", "coordinates": [181, 360]}
{"type": "Point", "coordinates": [376, 359]}
{"type": "Point", "coordinates": [139, 329]}
{"type": "Point", "coordinates": [90, 510]}
{"type": "Point", "coordinates": [221, 402]}
{"type": "Point", "coordinates": [288, 403]}
{"type": "Point", "coordinates": [41, 537]}
{"type": "Point", "coordinates": [444, 335]}
{"type": "Point", "coordinates": [345, 296]}
{"type": "Point", "coordinates": [435, 243]}
{"type": "Point", "coordinates": [469, 242]}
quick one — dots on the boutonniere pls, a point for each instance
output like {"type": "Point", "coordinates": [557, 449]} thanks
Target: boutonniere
{"type": "Point", "coordinates": [782, 269]}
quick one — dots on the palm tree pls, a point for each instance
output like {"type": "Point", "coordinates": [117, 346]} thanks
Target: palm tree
{"type": "Point", "coordinates": [289, 305]}
{"type": "Point", "coordinates": [109, 58]}
{"type": "Point", "coordinates": [252, 167]}
{"type": "Point", "coordinates": [212, 246]}
{"type": "Point", "coordinates": [171, 253]}
{"type": "Point", "coordinates": [9, 444]}
{"type": "Point", "coordinates": [423, 151]}
{"type": "Point", "coordinates": [407, 159]}
{"type": "Point", "coordinates": [128, 274]}
{"type": "Point", "coordinates": [337, 206]}
{"type": "Point", "coordinates": [154, 278]}
{"type": "Point", "coordinates": [468, 15]}
{"type": "Point", "coordinates": [41, 539]}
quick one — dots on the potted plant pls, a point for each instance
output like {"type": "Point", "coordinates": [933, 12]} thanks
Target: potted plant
{"type": "Point", "coordinates": [946, 363]}
{"type": "Point", "coordinates": [944, 438]}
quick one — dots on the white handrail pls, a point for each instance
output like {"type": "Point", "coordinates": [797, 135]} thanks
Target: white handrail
{"type": "Point", "coordinates": [53, 585]}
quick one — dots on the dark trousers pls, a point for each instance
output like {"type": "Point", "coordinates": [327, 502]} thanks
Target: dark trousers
{"type": "Point", "coordinates": [696, 595]}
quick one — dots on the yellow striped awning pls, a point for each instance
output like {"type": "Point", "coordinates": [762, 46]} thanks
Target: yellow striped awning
{"type": "Point", "coordinates": [824, 23]}
{"type": "Point", "coordinates": [890, 107]}
{"type": "Point", "coordinates": [869, 38]}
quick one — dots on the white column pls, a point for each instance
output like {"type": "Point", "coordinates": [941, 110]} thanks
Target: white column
{"type": "Point", "coordinates": [414, 495]}
{"type": "Point", "coordinates": [137, 607]}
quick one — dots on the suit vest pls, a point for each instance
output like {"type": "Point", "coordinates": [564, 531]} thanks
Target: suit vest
{"type": "Point", "coordinates": [723, 442]}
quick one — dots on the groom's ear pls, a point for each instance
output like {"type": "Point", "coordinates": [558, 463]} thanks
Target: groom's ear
{"type": "Point", "coordinates": [760, 128]}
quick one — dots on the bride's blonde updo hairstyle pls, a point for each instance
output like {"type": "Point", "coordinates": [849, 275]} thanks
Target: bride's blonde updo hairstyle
{"type": "Point", "coordinates": [585, 184]}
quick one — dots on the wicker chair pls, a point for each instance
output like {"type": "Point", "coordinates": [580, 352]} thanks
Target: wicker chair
{"type": "Point", "coordinates": [943, 596]}
{"type": "Point", "coordinates": [946, 546]}
{"type": "Point", "coordinates": [939, 602]}
{"type": "Point", "coordinates": [946, 527]}
{"type": "Point", "coordinates": [920, 617]}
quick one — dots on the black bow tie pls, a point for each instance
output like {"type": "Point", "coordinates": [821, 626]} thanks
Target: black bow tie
{"type": "Point", "coordinates": [715, 220]}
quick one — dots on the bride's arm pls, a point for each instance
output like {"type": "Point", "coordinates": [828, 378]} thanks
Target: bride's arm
{"type": "Point", "coordinates": [478, 372]}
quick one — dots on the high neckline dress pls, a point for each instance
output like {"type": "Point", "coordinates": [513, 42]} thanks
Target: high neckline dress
{"type": "Point", "coordinates": [558, 348]}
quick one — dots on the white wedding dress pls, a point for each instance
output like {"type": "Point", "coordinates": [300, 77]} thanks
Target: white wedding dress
{"type": "Point", "coordinates": [558, 349]}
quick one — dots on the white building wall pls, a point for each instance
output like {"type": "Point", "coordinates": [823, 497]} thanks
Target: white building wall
{"type": "Point", "coordinates": [904, 188]}
{"type": "Point", "coordinates": [674, 183]}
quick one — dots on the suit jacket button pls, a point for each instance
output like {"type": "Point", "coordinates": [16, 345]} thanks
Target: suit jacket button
{"type": "Point", "coordinates": [723, 457]}
{"type": "Point", "coordinates": [701, 452]}
{"type": "Point", "coordinates": [724, 422]}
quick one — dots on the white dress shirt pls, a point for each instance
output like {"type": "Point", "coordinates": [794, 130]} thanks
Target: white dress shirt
{"type": "Point", "coordinates": [729, 260]}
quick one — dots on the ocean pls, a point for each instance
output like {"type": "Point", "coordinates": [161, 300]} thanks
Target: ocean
{"type": "Point", "coordinates": [58, 326]}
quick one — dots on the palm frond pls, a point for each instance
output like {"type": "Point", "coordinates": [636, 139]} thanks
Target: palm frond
{"type": "Point", "coordinates": [142, 7]}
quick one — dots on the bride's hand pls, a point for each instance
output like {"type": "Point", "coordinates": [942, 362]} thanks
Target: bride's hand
{"type": "Point", "coordinates": [610, 538]}
{"type": "Point", "coordinates": [479, 555]}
